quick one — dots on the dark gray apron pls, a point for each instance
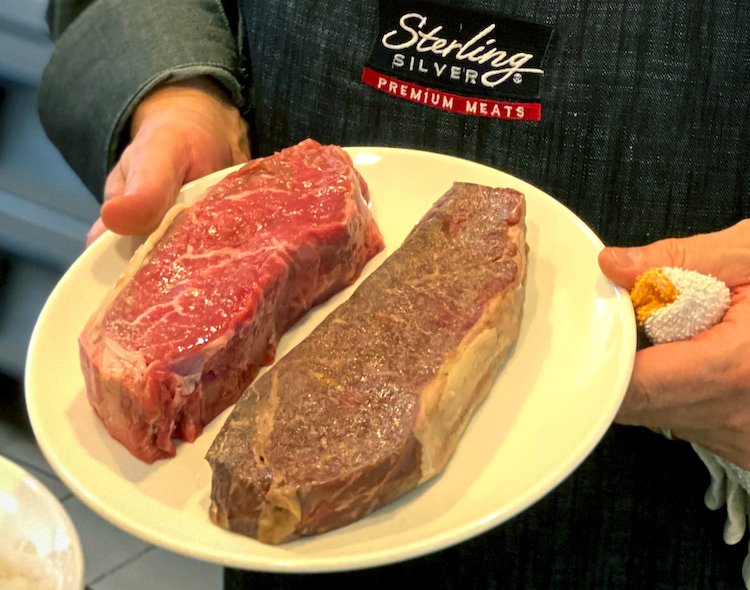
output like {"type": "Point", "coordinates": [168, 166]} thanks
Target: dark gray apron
{"type": "Point", "coordinates": [644, 133]}
{"type": "Point", "coordinates": [645, 112]}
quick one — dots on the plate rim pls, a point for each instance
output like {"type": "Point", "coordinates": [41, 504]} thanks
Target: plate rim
{"type": "Point", "coordinates": [393, 554]}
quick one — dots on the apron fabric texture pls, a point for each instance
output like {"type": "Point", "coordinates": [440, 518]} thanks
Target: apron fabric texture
{"type": "Point", "coordinates": [644, 134]}
{"type": "Point", "coordinates": [645, 123]}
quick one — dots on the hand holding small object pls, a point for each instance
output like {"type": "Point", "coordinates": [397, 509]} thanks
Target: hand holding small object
{"type": "Point", "coordinates": [698, 388]}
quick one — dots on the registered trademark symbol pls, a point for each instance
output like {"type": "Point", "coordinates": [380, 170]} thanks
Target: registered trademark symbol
{"type": "Point", "coordinates": [517, 78]}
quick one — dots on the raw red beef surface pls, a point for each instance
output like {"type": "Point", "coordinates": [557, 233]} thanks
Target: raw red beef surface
{"type": "Point", "coordinates": [203, 303]}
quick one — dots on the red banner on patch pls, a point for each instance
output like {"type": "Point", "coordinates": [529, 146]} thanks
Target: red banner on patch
{"type": "Point", "coordinates": [455, 103]}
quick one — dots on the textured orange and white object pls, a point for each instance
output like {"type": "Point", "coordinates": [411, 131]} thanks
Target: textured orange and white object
{"type": "Point", "coordinates": [676, 304]}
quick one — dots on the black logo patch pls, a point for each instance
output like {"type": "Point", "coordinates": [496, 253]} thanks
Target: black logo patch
{"type": "Point", "coordinates": [459, 60]}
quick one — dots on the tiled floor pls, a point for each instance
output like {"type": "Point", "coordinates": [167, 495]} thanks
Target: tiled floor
{"type": "Point", "coordinates": [114, 560]}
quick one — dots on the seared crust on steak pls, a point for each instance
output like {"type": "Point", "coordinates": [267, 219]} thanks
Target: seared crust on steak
{"type": "Point", "coordinates": [374, 401]}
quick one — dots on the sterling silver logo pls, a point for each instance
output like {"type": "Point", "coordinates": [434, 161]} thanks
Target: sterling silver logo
{"type": "Point", "coordinates": [459, 60]}
{"type": "Point", "coordinates": [479, 50]}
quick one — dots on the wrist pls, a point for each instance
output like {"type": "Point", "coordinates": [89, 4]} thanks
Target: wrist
{"type": "Point", "coordinates": [201, 92]}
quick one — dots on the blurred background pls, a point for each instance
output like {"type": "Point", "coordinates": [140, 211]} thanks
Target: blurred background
{"type": "Point", "coordinates": [45, 210]}
{"type": "Point", "coordinates": [45, 213]}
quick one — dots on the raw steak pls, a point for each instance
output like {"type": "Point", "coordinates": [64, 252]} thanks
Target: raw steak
{"type": "Point", "coordinates": [374, 401]}
{"type": "Point", "coordinates": [202, 305]}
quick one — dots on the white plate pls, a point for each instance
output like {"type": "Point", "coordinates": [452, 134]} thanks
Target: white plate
{"type": "Point", "coordinates": [551, 405]}
{"type": "Point", "coordinates": [39, 546]}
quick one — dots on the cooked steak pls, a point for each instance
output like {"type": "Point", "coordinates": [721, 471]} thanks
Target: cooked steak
{"type": "Point", "coordinates": [202, 305]}
{"type": "Point", "coordinates": [374, 401]}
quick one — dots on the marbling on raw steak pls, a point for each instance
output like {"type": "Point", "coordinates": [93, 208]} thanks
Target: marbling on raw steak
{"type": "Point", "coordinates": [202, 305]}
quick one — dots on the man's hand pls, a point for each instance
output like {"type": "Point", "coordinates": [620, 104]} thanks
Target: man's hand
{"type": "Point", "coordinates": [180, 132]}
{"type": "Point", "coordinates": [700, 388]}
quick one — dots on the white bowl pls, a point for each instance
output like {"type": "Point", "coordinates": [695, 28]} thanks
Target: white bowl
{"type": "Point", "coordinates": [39, 546]}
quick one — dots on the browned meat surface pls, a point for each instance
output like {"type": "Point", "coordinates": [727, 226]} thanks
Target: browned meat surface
{"type": "Point", "coordinates": [374, 401]}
